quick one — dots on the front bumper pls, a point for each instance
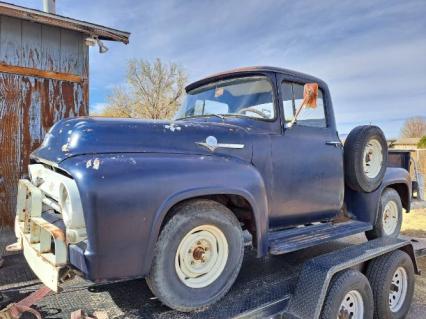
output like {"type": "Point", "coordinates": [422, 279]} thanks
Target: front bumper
{"type": "Point", "coordinates": [43, 243]}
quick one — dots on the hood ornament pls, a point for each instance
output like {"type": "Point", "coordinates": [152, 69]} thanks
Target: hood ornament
{"type": "Point", "coordinates": [212, 144]}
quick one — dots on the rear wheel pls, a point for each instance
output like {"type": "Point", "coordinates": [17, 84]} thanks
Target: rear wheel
{"type": "Point", "coordinates": [349, 296]}
{"type": "Point", "coordinates": [392, 281]}
{"type": "Point", "coordinates": [365, 158]}
{"type": "Point", "coordinates": [389, 216]}
{"type": "Point", "coordinates": [197, 256]}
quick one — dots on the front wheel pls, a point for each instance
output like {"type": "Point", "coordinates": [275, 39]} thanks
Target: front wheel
{"type": "Point", "coordinates": [197, 256]}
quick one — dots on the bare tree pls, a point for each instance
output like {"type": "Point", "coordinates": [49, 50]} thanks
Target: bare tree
{"type": "Point", "coordinates": [154, 91]}
{"type": "Point", "coordinates": [414, 127]}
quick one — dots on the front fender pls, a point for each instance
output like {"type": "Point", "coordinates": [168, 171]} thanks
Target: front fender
{"type": "Point", "coordinates": [365, 206]}
{"type": "Point", "coordinates": [126, 197]}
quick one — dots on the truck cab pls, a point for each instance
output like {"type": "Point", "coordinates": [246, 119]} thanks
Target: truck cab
{"type": "Point", "coordinates": [251, 150]}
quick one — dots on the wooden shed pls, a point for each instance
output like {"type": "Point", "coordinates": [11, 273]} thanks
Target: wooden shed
{"type": "Point", "coordinates": [44, 77]}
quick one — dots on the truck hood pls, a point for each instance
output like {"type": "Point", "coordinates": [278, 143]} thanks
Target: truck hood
{"type": "Point", "coordinates": [77, 136]}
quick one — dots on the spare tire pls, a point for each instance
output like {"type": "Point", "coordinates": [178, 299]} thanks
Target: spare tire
{"type": "Point", "coordinates": [365, 158]}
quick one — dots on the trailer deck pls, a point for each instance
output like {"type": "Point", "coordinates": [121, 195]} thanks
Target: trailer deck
{"type": "Point", "coordinates": [262, 289]}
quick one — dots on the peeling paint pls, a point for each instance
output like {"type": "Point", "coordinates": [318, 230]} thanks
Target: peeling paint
{"type": "Point", "coordinates": [29, 107]}
{"type": "Point", "coordinates": [65, 148]}
{"type": "Point", "coordinates": [172, 127]}
{"type": "Point", "coordinates": [96, 163]}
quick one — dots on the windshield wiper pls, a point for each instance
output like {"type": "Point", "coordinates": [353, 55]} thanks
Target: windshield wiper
{"type": "Point", "coordinates": [218, 115]}
{"type": "Point", "coordinates": [222, 117]}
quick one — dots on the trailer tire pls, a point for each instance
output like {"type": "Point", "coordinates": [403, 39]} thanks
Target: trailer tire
{"type": "Point", "coordinates": [349, 292]}
{"type": "Point", "coordinates": [385, 272]}
{"type": "Point", "coordinates": [389, 216]}
{"type": "Point", "coordinates": [365, 158]}
{"type": "Point", "coordinates": [197, 257]}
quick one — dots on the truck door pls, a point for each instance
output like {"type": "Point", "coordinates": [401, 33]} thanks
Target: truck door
{"type": "Point", "coordinates": [307, 161]}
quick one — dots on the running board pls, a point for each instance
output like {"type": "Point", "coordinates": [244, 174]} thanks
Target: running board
{"type": "Point", "coordinates": [285, 241]}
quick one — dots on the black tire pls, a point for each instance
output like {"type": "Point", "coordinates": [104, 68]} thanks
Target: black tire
{"type": "Point", "coordinates": [163, 278]}
{"type": "Point", "coordinates": [380, 273]}
{"type": "Point", "coordinates": [355, 144]}
{"type": "Point", "coordinates": [341, 284]}
{"type": "Point", "coordinates": [388, 195]}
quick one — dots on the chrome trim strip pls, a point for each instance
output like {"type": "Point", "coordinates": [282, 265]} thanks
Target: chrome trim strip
{"type": "Point", "coordinates": [212, 144]}
{"type": "Point", "coordinates": [220, 145]}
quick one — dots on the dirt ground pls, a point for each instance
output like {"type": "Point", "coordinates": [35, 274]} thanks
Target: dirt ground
{"type": "Point", "coordinates": [414, 224]}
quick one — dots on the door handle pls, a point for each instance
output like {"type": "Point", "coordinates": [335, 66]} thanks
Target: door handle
{"type": "Point", "coordinates": [337, 144]}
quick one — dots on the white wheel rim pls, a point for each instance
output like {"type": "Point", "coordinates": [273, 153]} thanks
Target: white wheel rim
{"type": "Point", "coordinates": [398, 289]}
{"type": "Point", "coordinates": [373, 158]}
{"type": "Point", "coordinates": [352, 306]}
{"type": "Point", "coordinates": [390, 217]}
{"type": "Point", "coordinates": [201, 256]}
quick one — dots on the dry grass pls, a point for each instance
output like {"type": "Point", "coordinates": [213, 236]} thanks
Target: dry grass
{"type": "Point", "coordinates": [414, 223]}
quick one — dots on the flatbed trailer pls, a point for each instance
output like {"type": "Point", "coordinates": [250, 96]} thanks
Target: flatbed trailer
{"type": "Point", "coordinates": [293, 285]}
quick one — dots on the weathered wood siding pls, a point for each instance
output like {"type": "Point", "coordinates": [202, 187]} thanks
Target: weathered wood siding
{"type": "Point", "coordinates": [30, 105]}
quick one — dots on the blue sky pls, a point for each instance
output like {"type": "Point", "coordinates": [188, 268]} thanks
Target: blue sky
{"type": "Point", "coordinates": [371, 53]}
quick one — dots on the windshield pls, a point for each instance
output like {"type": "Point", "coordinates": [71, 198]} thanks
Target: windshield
{"type": "Point", "coordinates": [249, 96]}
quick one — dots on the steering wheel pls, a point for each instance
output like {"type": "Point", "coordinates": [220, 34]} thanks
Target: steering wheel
{"type": "Point", "coordinates": [253, 110]}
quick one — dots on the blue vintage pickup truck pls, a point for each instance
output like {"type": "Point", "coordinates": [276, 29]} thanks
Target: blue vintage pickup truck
{"type": "Point", "coordinates": [251, 150]}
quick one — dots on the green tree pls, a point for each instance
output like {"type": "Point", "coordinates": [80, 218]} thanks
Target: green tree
{"type": "Point", "coordinates": [422, 142]}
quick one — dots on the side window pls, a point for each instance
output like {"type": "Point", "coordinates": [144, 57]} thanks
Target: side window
{"type": "Point", "coordinates": [293, 97]}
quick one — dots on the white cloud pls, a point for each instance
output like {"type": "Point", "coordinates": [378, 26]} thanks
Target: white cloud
{"type": "Point", "coordinates": [371, 53]}
{"type": "Point", "coordinates": [96, 108]}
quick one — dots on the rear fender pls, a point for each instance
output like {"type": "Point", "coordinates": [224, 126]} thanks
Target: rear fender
{"type": "Point", "coordinates": [365, 206]}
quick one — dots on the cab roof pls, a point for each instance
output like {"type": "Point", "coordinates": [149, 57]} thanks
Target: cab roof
{"type": "Point", "coordinates": [253, 70]}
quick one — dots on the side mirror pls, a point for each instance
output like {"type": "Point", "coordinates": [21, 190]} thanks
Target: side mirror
{"type": "Point", "coordinates": [310, 95]}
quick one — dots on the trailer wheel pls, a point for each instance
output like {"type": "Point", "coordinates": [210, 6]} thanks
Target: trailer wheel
{"type": "Point", "coordinates": [365, 158]}
{"type": "Point", "coordinates": [197, 257]}
{"type": "Point", "coordinates": [389, 217]}
{"type": "Point", "coordinates": [349, 296]}
{"type": "Point", "coordinates": [392, 279]}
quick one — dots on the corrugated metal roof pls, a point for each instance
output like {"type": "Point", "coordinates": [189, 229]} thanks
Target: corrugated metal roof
{"type": "Point", "coordinates": [91, 29]}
